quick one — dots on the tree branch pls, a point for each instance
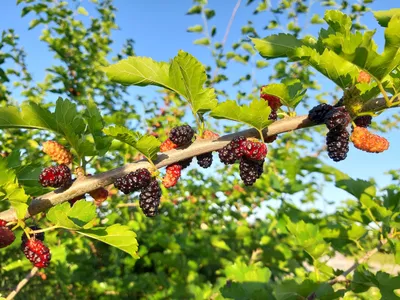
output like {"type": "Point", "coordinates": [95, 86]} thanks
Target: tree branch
{"type": "Point", "coordinates": [79, 187]}
{"type": "Point", "coordinates": [342, 277]}
{"type": "Point", "coordinates": [22, 283]}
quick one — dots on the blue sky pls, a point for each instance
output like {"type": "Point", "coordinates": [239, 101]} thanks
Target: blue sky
{"type": "Point", "coordinates": [159, 30]}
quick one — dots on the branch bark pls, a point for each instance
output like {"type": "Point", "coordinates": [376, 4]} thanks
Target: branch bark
{"type": "Point", "coordinates": [22, 283]}
{"type": "Point", "coordinates": [46, 201]}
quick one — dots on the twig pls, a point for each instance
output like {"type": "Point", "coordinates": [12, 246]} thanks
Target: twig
{"type": "Point", "coordinates": [22, 283]}
{"type": "Point", "coordinates": [79, 187]}
{"type": "Point", "coordinates": [342, 277]}
{"type": "Point", "coordinates": [228, 29]}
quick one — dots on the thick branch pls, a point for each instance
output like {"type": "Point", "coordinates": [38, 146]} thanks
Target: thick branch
{"type": "Point", "coordinates": [46, 201]}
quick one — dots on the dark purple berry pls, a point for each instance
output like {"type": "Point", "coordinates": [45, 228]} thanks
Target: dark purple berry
{"type": "Point", "coordinates": [233, 151]}
{"type": "Point", "coordinates": [363, 121]}
{"type": "Point", "coordinates": [337, 118]}
{"type": "Point", "coordinates": [337, 142]}
{"type": "Point", "coordinates": [205, 160]}
{"type": "Point", "coordinates": [149, 199]}
{"type": "Point", "coordinates": [250, 170]}
{"type": "Point", "coordinates": [318, 113]}
{"type": "Point", "coordinates": [181, 135]}
{"type": "Point", "coordinates": [133, 181]}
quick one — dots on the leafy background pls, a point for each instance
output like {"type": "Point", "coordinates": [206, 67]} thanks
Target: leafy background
{"type": "Point", "coordinates": [215, 238]}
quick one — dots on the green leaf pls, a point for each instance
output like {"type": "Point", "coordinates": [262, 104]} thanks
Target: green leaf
{"type": "Point", "coordinates": [338, 21]}
{"type": "Point", "coordinates": [195, 28]}
{"type": "Point", "coordinates": [277, 45]}
{"type": "Point", "coordinates": [342, 72]}
{"type": "Point", "coordinates": [384, 16]}
{"type": "Point", "coordinates": [95, 126]}
{"type": "Point", "coordinates": [185, 76]}
{"type": "Point", "coordinates": [254, 115]}
{"type": "Point", "coordinates": [82, 11]}
{"type": "Point", "coordinates": [117, 235]}
{"type": "Point", "coordinates": [29, 116]}
{"type": "Point", "coordinates": [363, 280]}
{"type": "Point", "coordinates": [209, 13]}
{"type": "Point", "coordinates": [292, 290]}
{"type": "Point", "coordinates": [218, 243]}
{"type": "Point", "coordinates": [308, 237]}
{"type": "Point", "coordinates": [11, 191]}
{"type": "Point", "coordinates": [196, 9]}
{"type": "Point", "coordinates": [79, 216]}
{"type": "Point", "coordinates": [203, 41]}
{"type": "Point", "coordinates": [189, 76]}
{"type": "Point", "coordinates": [290, 93]}
{"type": "Point", "coordinates": [148, 145]}
{"type": "Point", "coordinates": [316, 19]}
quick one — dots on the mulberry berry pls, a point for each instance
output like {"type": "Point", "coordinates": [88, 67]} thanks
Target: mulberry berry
{"type": "Point", "coordinates": [181, 135]}
{"type": "Point", "coordinates": [254, 150]}
{"type": "Point", "coordinates": [205, 160]}
{"type": "Point", "coordinates": [149, 199]}
{"type": "Point", "coordinates": [37, 253]}
{"type": "Point", "coordinates": [340, 102]}
{"type": "Point", "coordinates": [2, 223]}
{"type": "Point", "coordinates": [39, 236]}
{"type": "Point", "coordinates": [173, 173]}
{"type": "Point", "coordinates": [363, 77]}
{"type": "Point", "coordinates": [57, 152]}
{"type": "Point", "coordinates": [273, 115]}
{"type": "Point", "coordinates": [167, 145]}
{"type": "Point", "coordinates": [133, 181]}
{"type": "Point", "coordinates": [273, 101]}
{"type": "Point", "coordinates": [186, 162]}
{"type": "Point", "coordinates": [250, 170]}
{"type": "Point", "coordinates": [99, 195]}
{"type": "Point", "coordinates": [337, 118]}
{"type": "Point", "coordinates": [56, 176]}
{"type": "Point", "coordinates": [318, 113]}
{"type": "Point", "coordinates": [209, 135]}
{"type": "Point", "coordinates": [337, 142]}
{"type": "Point", "coordinates": [271, 139]}
{"type": "Point", "coordinates": [7, 236]}
{"type": "Point", "coordinates": [367, 141]}
{"type": "Point", "coordinates": [363, 121]}
{"type": "Point", "coordinates": [233, 151]}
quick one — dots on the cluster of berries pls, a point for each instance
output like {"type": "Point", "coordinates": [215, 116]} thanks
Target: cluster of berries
{"type": "Point", "coordinates": [336, 119]}
{"type": "Point", "coordinates": [250, 153]}
{"type": "Point", "coordinates": [182, 136]}
{"type": "Point", "coordinates": [33, 247]}
{"type": "Point", "coordinates": [61, 176]}
{"type": "Point", "coordinates": [150, 191]}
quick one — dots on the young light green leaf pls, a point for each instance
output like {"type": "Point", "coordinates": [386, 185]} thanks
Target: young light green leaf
{"type": "Point", "coordinates": [81, 215]}
{"type": "Point", "coordinates": [338, 21]}
{"type": "Point", "coordinates": [342, 72]}
{"type": "Point", "coordinates": [384, 16]}
{"type": "Point", "coordinates": [277, 45]}
{"type": "Point", "coordinates": [117, 235]}
{"type": "Point", "coordinates": [254, 115]}
{"type": "Point", "coordinates": [290, 93]}
{"type": "Point", "coordinates": [195, 28]}
{"type": "Point", "coordinates": [82, 11]}
{"type": "Point", "coordinates": [202, 41]}
{"type": "Point", "coordinates": [308, 237]}
{"type": "Point", "coordinates": [11, 191]}
{"type": "Point", "coordinates": [147, 145]}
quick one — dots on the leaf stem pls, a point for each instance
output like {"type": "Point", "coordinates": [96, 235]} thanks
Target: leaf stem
{"type": "Point", "coordinates": [261, 135]}
{"type": "Point", "coordinates": [44, 230]}
{"type": "Point", "coordinates": [384, 94]}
